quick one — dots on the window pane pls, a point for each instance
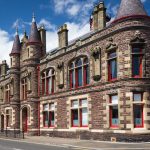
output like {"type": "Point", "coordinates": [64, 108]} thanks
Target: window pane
{"type": "Point", "coordinates": [78, 63]}
{"type": "Point", "coordinates": [45, 107]}
{"type": "Point", "coordinates": [75, 104]}
{"type": "Point", "coordinates": [84, 103]}
{"type": "Point", "coordinates": [80, 76]}
{"type": "Point", "coordinates": [136, 65]}
{"type": "Point", "coordinates": [113, 65]}
{"type": "Point", "coordinates": [138, 111]}
{"type": "Point", "coordinates": [75, 120]}
{"type": "Point", "coordinates": [137, 97]}
{"type": "Point", "coordinates": [114, 115]}
{"type": "Point", "coordinates": [52, 119]}
{"type": "Point", "coordinates": [52, 107]}
{"type": "Point", "coordinates": [84, 115]}
{"type": "Point", "coordinates": [112, 55]}
{"type": "Point", "coordinates": [45, 117]}
{"type": "Point", "coordinates": [114, 99]}
{"type": "Point", "coordinates": [136, 50]}
{"type": "Point", "coordinates": [87, 74]}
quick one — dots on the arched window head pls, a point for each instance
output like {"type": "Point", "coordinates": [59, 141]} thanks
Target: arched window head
{"type": "Point", "coordinates": [79, 74]}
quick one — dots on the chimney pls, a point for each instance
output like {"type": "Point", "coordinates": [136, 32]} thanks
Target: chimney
{"type": "Point", "coordinates": [99, 16]}
{"type": "Point", "coordinates": [42, 32]}
{"type": "Point", "coordinates": [63, 36]}
{"type": "Point", "coordinates": [4, 67]}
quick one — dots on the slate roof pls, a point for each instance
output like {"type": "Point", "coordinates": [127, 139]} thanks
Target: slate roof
{"type": "Point", "coordinates": [130, 8]}
{"type": "Point", "coordinates": [34, 34]}
{"type": "Point", "coordinates": [16, 45]}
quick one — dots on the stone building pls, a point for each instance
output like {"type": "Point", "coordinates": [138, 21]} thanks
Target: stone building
{"type": "Point", "coordinates": [94, 87]}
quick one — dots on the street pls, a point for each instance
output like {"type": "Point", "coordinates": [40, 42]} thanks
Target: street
{"type": "Point", "coordinates": [6, 144]}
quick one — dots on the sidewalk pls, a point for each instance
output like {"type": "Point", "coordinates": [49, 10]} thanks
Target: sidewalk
{"type": "Point", "coordinates": [82, 143]}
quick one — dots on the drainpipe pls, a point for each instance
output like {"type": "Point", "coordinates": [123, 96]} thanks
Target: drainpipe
{"type": "Point", "coordinates": [38, 71]}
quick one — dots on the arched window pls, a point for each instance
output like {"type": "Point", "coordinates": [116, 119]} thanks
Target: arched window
{"type": "Point", "coordinates": [79, 73]}
{"type": "Point", "coordinates": [7, 93]}
{"type": "Point", "coordinates": [48, 82]}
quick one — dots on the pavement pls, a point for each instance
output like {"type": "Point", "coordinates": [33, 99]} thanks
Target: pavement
{"type": "Point", "coordinates": [52, 143]}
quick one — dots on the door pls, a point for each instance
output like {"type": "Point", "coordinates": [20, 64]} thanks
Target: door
{"type": "Point", "coordinates": [25, 119]}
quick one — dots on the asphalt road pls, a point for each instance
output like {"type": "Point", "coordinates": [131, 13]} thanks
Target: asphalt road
{"type": "Point", "coordinates": [23, 145]}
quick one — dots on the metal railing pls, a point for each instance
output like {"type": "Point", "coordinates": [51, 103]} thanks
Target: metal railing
{"type": "Point", "coordinates": [13, 133]}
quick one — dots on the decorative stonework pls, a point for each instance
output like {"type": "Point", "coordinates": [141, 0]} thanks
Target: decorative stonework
{"type": "Point", "coordinates": [111, 45]}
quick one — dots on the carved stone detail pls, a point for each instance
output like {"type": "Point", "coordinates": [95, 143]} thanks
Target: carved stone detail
{"type": "Point", "coordinates": [111, 45]}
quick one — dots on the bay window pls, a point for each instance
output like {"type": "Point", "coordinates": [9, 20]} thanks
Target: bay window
{"type": "Point", "coordinates": [138, 109]}
{"type": "Point", "coordinates": [79, 113]}
{"type": "Point", "coordinates": [112, 66]}
{"type": "Point", "coordinates": [49, 115]}
{"type": "Point", "coordinates": [137, 57]}
{"type": "Point", "coordinates": [79, 73]}
{"type": "Point", "coordinates": [114, 119]}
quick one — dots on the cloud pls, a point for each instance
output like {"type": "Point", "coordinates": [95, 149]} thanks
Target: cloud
{"type": "Point", "coordinates": [143, 1]}
{"type": "Point", "coordinates": [6, 45]}
{"type": "Point", "coordinates": [47, 24]}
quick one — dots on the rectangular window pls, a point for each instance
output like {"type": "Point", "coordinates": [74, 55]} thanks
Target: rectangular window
{"type": "Point", "coordinates": [138, 116]}
{"type": "Point", "coordinates": [112, 66]}
{"type": "Point", "coordinates": [114, 119]}
{"type": "Point", "coordinates": [138, 109]}
{"type": "Point", "coordinates": [137, 57]}
{"type": "Point", "coordinates": [49, 115]}
{"type": "Point", "coordinates": [79, 113]}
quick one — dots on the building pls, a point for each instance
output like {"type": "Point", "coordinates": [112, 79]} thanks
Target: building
{"type": "Point", "coordinates": [95, 87]}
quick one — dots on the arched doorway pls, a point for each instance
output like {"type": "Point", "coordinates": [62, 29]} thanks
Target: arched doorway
{"type": "Point", "coordinates": [2, 122]}
{"type": "Point", "coordinates": [25, 119]}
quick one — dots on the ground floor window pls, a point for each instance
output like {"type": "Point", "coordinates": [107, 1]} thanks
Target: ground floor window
{"type": "Point", "coordinates": [113, 109]}
{"type": "Point", "coordinates": [138, 116]}
{"type": "Point", "coordinates": [8, 118]}
{"type": "Point", "coordinates": [79, 113]}
{"type": "Point", "coordinates": [49, 115]}
{"type": "Point", "coordinates": [138, 109]}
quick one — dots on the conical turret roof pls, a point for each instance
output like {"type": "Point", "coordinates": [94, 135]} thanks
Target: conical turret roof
{"type": "Point", "coordinates": [16, 45]}
{"type": "Point", "coordinates": [130, 8]}
{"type": "Point", "coordinates": [34, 34]}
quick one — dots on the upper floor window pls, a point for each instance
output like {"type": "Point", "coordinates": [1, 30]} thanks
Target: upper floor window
{"type": "Point", "coordinates": [48, 82]}
{"type": "Point", "coordinates": [7, 93]}
{"type": "Point", "coordinates": [79, 73]}
{"type": "Point", "coordinates": [112, 66]}
{"type": "Point", "coordinates": [24, 88]}
{"type": "Point", "coordinates": [137, 57]}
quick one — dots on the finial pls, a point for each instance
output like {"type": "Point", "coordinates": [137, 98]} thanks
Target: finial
{"type": "Point", "coordinates": [16, 29]}
{"type": "Point", "coordinates": [33, 17]}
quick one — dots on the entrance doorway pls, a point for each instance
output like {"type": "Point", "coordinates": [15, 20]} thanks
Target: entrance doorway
{"type": "Point", "coordinates": [2, 122]}
{"type": "Point", "coordinates": [25, 119]}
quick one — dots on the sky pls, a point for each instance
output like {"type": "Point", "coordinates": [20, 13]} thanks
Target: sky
{"type": "Point", "coordinates": [51, 13]}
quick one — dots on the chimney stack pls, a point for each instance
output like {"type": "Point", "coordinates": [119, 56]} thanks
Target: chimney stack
{"type": "Point", "coordinates": [4, 68]}
{"type": "Point", "coordinates": [63, 36]}
{"type": "Point", "coordinates": [42, 32]}
{"type": "Point", "coordinates": [99, 16]}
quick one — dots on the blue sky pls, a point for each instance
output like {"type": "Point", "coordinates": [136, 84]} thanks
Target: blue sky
{"type": "Point", "coordinates": [51, 13]}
